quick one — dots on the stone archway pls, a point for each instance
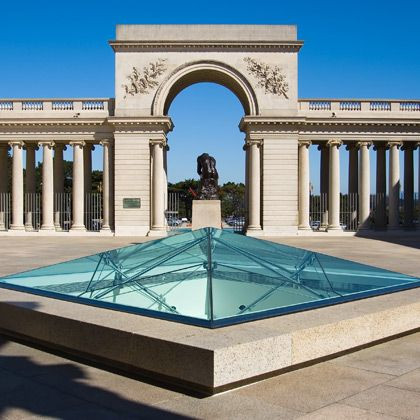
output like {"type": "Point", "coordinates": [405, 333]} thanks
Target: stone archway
{"type": "Point", "coordinates": [205, 72]}
{"type": "Point", "coordinates": [156, 62]}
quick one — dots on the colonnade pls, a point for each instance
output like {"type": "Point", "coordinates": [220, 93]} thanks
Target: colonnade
{"type": "Point", "coordinates": [53, 180]}
{"type": "Point", "coordinates": [359, 182]}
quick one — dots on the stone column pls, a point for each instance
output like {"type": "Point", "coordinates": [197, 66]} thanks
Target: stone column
{"type": "Point", "coordinates": [158, 186]}
{"type": "Point", "coordinates": [30, 182]}
{"type": "Point", "coordinates": [364, 184]}
{"type": "Point", "coordinates": [111, 151]}
{"type": "Point", "coordinates": [58, 180]}
{"type": "Point", "coordinates": [246, 197]}
{"type": "Point", "coordinates": [394, 184]}
{"type": "Point", "coordinates": [87, 167]}
{"type": "Point", "coordinates": [254, 193]}
{"type": "Point", "coordinates": [47, 185]}
{"type": "Point", "coordinates": [380, 212]}
{"type": "Point", "coordinates": [17, 186]}
{"type": "Point", "coordinates": [334, 186]}
{"type": "Point", "coordinates": [4, 168]}
{"type": "Point", "coordinates": [106, 184]}
{"type": "Point", "coordinates": [304, 196]}
{"type": "Point", "coordinates": [408, 148]}
{"type": "Point", "coordinates": [78, 186]}
{"type": "Point", "coordinates": [165, 173]}
{"type": "Point", "coordinates": [4, 184]}
{"type": "Point", "coordinates": [324, 183]}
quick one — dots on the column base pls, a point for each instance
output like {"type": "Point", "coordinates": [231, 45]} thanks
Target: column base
{"type": "Point", "coordinates": [78, 228]}
{"type": "Point", "coordinates": [106, 228]}
{"type": "Point", "coordinates": [334, 227]}
{"type": "Point", "coordinates": [157, 232]}
{"type": "Point", "coordinates": [304, 227]}
{"type": "Point", "coordinates": [254, 231]}
{"type": "Point", "coordinates": [17, 227]}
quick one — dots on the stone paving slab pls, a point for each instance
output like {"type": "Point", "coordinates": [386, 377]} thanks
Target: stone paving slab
{"type": "Point", "coordinates": [342, 411]}
{"type": "Point", "coordinates": [389, 401]}
{"type": "Point", "coordinates": [61, 388]}
{"type": "Point", "coordinates": [314, 387]}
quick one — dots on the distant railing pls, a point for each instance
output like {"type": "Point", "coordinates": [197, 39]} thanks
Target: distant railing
{"type": "Point", "coordinates": [93, 212]}
{"type": "Point", "coordinates": [59, 105]}
{"type": "Point", "coordinates": [355, 105]}
{"type": "Point", "coordinates": [62, 211]}
{"type": "Point", "coordinates": [318, 212]}
{"type": "Point", "coordinates": [5, 213]}
{"type": "Point", "coordinates": [32, 211]}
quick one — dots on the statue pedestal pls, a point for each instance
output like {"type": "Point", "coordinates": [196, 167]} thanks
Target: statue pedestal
{"type": "Point", "coordinates": [206, 213]}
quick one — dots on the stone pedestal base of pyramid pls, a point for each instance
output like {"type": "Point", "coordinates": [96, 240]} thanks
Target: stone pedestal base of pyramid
{"type": "Point", "coordinates": [206, 213]}
{"type": "Point", "coordinates": [197, 359]}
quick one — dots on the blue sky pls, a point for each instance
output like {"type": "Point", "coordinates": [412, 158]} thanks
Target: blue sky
{"type": "Point", "coordinates": [358, 49]}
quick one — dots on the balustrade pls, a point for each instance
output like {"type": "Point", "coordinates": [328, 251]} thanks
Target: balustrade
{"type": "Point", "coordinates": [351, 105]}
{"type": "Point", "coordinates": [62, 105]}
{"type": "Point", "coordinates": [6, 106]}
{"type": "Point", "coordinates": [409, 106]}
{"type": "Point", "coordinates": [32, 105]}
{"type": "Point", "coordinates": [93, 105]}
{"type": "Point", "coordinates": [51, 105]}
{"type": "Point", "coordinates": [320, 106]}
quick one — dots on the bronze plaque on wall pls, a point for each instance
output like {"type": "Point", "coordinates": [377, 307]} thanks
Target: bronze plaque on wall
{"type": "Point", "coordinates": [131, 203]}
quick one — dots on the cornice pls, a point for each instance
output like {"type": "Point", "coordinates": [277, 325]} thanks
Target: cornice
{"type": "Point", "coordinates": [40, 122]}
{"type": "Point", "coordinates": [147, 124]}
{"type": "Point", "coordinates": [286, 46]}
{"type": "Point", "coordinates": [303, 123]}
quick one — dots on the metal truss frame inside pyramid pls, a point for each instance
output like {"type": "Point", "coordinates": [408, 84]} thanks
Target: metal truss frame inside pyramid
{"type": "Point", "coordinates": [209, 277]}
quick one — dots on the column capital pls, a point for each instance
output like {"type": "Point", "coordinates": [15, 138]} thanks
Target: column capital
{"type": "Point", "coordinates": [252, 142]}
{"type": "Point", "coordinates": [364, 143]}
{"type": "Point", "coordinates": [80, 143]}
{"type": "Point", "coordinates": [106, 142]}
{"type": "Point", "coordinates": [49, 144]}
{"type": "Point", "coordinates": [305, 143]}
{"type": "Point", "coordinates": [18, 143]}
{"type": "Point", "coordinates": [398, 144]}
{"type": "Point", "coordinates": [158, 142]}
{"type": "Point", "coordinates": [334, 142]}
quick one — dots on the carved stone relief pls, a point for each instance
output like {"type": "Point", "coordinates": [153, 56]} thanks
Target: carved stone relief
{"type": "Point", "coordinates": [270, 78]}
{"type": "Point", "coordinates": [142, 81]}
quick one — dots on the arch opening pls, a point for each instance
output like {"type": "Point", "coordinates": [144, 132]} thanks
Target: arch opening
{"type": "Point", "coordinates": [205, 72]}
{"type": "Point", "coordinates": [205, 116]}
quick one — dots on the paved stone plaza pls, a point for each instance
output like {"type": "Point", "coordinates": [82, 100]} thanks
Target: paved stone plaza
{"type": "Point", "coordinates": [377, 382]}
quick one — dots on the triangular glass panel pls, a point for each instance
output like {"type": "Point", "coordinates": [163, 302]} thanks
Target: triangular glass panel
{"type": "Point", "coordinates": [209, 277]}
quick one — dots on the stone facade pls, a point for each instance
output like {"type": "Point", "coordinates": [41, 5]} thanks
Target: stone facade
{"type": "Point", "coordinates": [258, 63]}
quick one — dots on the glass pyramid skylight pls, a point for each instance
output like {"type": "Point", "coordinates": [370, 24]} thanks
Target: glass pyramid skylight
{"type": "Point", "coordinates": [209, 277]}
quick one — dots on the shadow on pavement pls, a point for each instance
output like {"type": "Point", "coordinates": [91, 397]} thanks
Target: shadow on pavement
{"type": "Point", "coordinates": [59, 391]}
{"type": "Point", "coordinates": [411, 240]}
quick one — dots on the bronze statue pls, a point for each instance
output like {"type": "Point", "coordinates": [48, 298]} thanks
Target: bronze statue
{"type": "Point", "coordinates": [206, 168]}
